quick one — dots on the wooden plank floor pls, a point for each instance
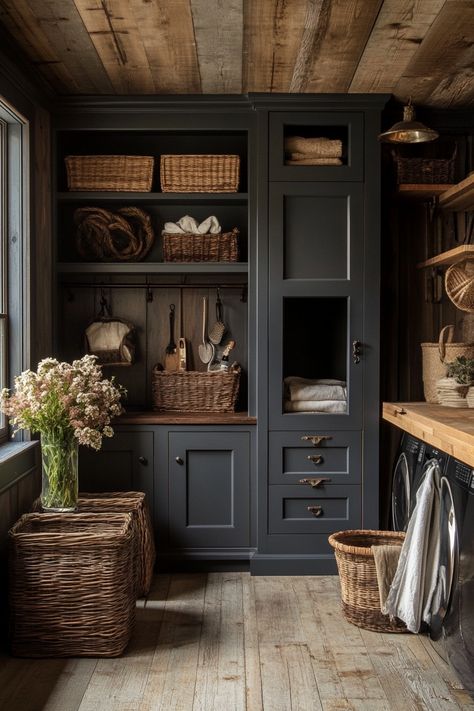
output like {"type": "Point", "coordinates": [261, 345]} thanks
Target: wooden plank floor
{"type": "Point", "coordinates": [230, 642]}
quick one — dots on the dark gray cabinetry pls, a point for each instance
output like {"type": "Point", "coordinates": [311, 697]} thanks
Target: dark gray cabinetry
{"type": "Point", "coordinates": [125, 463]}
{"type": "Point", "coordinates": [209, 489]}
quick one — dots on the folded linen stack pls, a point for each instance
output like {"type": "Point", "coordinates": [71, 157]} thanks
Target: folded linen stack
{"type": "Point", "coordinates": [188, 225]}
{"type": "Point", "coordinates": [322, 395]}
{"type": "Point", "coordinates": [313, 151]}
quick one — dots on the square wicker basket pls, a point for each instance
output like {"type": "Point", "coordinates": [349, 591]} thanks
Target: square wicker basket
{"type": "Point", "coordinates": [223, 247]}
{"type": "Point", "coordinates": [424, 170]}
{"type": "Point", "coordinates": [111, 173]}
{"type": "Point", "coordinates": [199, 173]}
{"type": "Point", "coordinates": [72, 588]}
{"type": "Point", "coordinates": [192, 391]}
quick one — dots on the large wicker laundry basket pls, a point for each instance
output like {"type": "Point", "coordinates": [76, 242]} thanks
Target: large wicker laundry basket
{"type": "Point", "coordinates": [358, 577]}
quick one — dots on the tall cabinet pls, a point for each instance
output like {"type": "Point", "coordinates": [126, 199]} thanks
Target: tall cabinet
{"type": "Point", "coordinates": [318, 306]}
{"type": "Point", "coordinates": [263, 485]}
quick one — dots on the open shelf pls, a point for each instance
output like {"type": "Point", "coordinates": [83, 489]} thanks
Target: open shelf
{"type": "Point", "coordinates": [152, 268]}
{"type": "Point", "coordinates": [192, 198]}
{"type": "Point", "coordinates": [452, 256]}
{"type": "Point", "coordinates": [460, 197]}
{"type": "Point", "coordinates": [421, 191]}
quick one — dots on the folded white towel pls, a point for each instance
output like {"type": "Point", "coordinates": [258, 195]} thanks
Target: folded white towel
{"type": "Point", "coordinates": [315, 406]}
{"type": "Point", "coordinates": [415, 580]}
{"type": "Point", "coordinates": [313, 161]}
{"type": "Point", "coordinates": [188, 225]}
{"type": "Point", "coordinates": [305, 389]}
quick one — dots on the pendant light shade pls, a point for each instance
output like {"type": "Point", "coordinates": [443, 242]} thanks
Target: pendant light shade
{"type": "Point", "coordinates": [408, 130]}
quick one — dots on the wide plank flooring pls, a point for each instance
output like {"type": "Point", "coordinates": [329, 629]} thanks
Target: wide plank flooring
{"type": "Point", "coordinates": [232, 642]}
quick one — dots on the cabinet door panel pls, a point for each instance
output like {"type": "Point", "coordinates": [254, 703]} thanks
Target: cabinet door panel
{"type": "Point", "coordinates": [125, 463]}
{"type": "Point", "coordinates": [293, 457]}
{"type": "Point", "coordinates": [209, 489]}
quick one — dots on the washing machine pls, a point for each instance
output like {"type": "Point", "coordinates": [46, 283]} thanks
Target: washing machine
{"type": "Point", "coordinates": [452, 625]}
{"type": "Point", "coordinates": [410, 456]}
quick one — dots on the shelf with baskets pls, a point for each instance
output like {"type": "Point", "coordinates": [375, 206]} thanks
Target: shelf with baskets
{"type": "Point", "coordinates": [451, 256]}
{"type": "Point", "coordinates": [421, 191]}
{"type": "Point", "coordinates": [171, 268]}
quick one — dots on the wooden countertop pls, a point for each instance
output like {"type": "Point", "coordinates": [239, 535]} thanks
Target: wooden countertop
{"type": "Point", "coordinates": [450, 429]}
{"type": "Point", "coordinates": [177, 418]}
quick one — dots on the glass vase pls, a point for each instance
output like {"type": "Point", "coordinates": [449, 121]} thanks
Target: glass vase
{"type": "Point", "coordinates": [59, 490]}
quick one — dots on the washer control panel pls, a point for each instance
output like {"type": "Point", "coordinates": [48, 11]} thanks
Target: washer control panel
{"type": "Point", "coordinates": [464, 475]}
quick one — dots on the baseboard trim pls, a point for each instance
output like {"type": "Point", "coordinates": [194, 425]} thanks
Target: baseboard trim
{"type": "Point", "coordinates": [272, 564]}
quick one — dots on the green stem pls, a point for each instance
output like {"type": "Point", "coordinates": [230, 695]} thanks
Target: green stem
{"type": "Point", "coordinates": [60, 485]}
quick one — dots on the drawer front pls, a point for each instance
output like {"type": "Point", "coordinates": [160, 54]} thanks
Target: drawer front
{"type": "Point", "coordinates": [294, 457]}
{"type": "Point", "coordinates": [347, 127]}
{"type": "Point", "coordinates": [294, 510]}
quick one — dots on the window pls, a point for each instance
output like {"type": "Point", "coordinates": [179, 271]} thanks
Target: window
{"type": "Point", "coordinates": [14, 179]}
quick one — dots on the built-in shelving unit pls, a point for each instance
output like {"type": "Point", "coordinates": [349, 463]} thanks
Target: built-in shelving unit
{"type": "Point", "coordinates": [452, 256]}
{"type": "Point", "coordinates": [172, 268]}
{"type": "Point", "coordinates": [460, 197]}
{"type": "Point", "coordinates": [188, 198]}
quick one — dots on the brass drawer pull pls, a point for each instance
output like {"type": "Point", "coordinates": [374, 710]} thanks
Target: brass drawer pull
{"type": "Point", "coordinates": [314, 483]}
{"type": "Point", "coordinates": [316, 510]}
{"type": "Point", "coordinates": [315, 439]}
{"type": "Point", "coordinates": [315, 458]}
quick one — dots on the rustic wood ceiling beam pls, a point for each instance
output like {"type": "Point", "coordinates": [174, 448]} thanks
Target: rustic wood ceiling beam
{"type": "Point", "coordinates": [442, 71]}
{"type": "Point", "coordinates": [273, 30]}
{"type": "Point", "coordinates": [337, 54]}
{"type": "Point", "coordinates": [398, 33]}
{"type": "Point", "coordinates": [55, 40]}
{"type": "Point", "coordinates": [315, 25]}
{"type": "Point", "coordinates": [218, 30]}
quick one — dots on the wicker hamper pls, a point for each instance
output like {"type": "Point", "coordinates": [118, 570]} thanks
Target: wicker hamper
{"type": "Point", "coordinates": [358, 578]}
{"type": "Point", "coordinates": [114, 173]}
{"type": "Point", "coordinates": [222, 247]}
{"type": "Point", "coordinates": [133, 502]}
{"type": "Point", "coordinates": [71, 585]}
{"type": "Point", "coordinates": [192, 391]}
{"type": "Point", "coordinates": [436, 357]}
{"type": "Point", "coordinates": [199, 173]}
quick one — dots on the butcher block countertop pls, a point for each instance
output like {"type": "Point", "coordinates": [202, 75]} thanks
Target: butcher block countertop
{"type": "Point", "coordinates": [450, 429]}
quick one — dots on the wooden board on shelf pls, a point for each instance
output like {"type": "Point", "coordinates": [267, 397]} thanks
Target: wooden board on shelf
{"type": "Point", "coordinates": [106, 196]}
{"type": "Point", "coordinates": [459, 197]}
{"type": "Point", "coordinates": [448, 429]}
{"type": "Point", "coordinates": [152, 268]}
{"type": "Point", "coordinates": [185, 418]}
{"type": "Point", "coordinates": [422, 191]}
{"type": "Point", "coordinates": [452, 256]}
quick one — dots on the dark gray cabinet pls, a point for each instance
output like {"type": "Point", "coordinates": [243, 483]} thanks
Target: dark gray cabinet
{"type": "Point", "coordinates": [209, 489]}
{"type": "Point", "coordinates": [125, 463]}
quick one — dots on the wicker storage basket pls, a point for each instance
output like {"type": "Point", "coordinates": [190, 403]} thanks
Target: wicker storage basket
{"type": "Point", "coordinates": [133, 502]}
{"type": "Point", "coordinates": [199, 173]}
{"type": "Point", "coordinates": [192, 391]}
{"type": "Point", "coordinates": [424, 170]}
{"type": "Point", "coordinates": [435, 359]}
{"type": "Point", "coordinates": [223, 247]}
{"type": "Point", "coordinates": [359, 588]}
{"type": "Point", "coordinates": [115, 173]}
{"type": "Point", "coordinates": [459, 284]}
{"type": "Point", "coordinates": [71, 587]}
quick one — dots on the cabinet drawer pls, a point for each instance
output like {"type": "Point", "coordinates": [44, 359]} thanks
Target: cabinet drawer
{"type": "Point", "coordinates": [346, 127]}
{"type": "Point", "coordinates": [295, 510]}
{"type": "Point", "coordinates": [293, 457]}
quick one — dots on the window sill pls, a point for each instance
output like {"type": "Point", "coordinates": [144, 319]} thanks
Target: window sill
{"type": "Point", "coordinates": [17, 459]}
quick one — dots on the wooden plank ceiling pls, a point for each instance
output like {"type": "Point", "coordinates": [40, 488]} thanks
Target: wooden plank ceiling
{"type": "Point", "coordinates": [418, 48]}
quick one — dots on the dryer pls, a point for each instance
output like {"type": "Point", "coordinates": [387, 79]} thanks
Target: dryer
{"type": "Point", "coordinates": [452, 626]}
{"type": "Point", "coordinates": [410, 457]}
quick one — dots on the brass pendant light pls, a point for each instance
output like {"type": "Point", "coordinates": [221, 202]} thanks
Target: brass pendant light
{"type": "Point", "coordinates": [408, 130]}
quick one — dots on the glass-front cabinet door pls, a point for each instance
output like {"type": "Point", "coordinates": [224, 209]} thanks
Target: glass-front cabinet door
{"type": "Point", "coordinates": [316, 346]}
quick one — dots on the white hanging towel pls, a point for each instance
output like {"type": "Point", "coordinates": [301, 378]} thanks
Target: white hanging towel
{"type": "Point", "coordinates": [416, 578]}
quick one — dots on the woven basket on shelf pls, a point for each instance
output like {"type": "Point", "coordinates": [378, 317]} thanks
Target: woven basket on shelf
{"type": "Point", "coordinates": [114, 173]}
{"type": "Point", "coordinates": [424, 170]}
{"type": "Point", "coordinates": [134, 503]}
{"type": "Point", "coordinates": [459, 284]}
{"type": "Point", "coordinates": [222, 247]}
{"type": "Point", "coordinates": [199, 173]}
{"type": "Point", "coordinates": [71, 585]}
{"type": "Point", "coordinates": [358, 577]}
{"type": "Point", "coordinates": [435, 358]}
{"type": "Point", "coordinates": [192, 391]}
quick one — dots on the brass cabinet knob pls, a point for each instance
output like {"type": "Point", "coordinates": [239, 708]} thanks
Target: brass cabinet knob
{"type": "Point", "coordinates": [315, 440]}
{"type": "Point", "coordinates": [315, 458]}
{"type": "Point", "coordinates": [179, 461]}
{"type": "Point", "coordinates": [314, 483]}
{"type": "Point", "coordinates": [315, 510]}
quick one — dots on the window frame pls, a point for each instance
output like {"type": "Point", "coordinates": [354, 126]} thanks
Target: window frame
{"type": "Point", "coordinates": [14, 240]}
